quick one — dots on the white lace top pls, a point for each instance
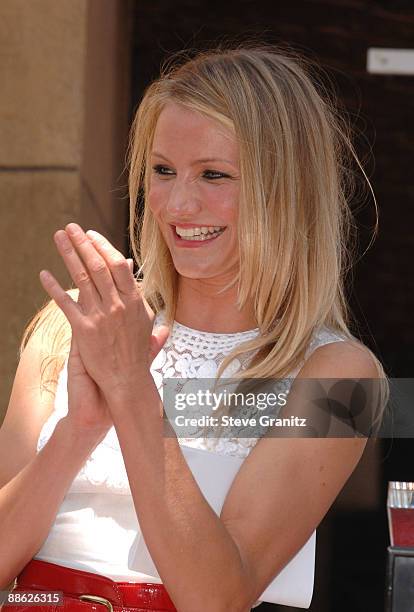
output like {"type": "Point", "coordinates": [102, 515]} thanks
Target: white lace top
{"type": "Point", "coordinates": [96, 525]}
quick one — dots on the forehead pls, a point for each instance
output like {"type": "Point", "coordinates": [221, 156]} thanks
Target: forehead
{"type": "Point", "coordinates": [179, 128]}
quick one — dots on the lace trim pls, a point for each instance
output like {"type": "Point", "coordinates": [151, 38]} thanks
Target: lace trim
{"type": "Point", "coordinates": [187, 353]}
{"type": "Point", "coordinates": [208, 345]}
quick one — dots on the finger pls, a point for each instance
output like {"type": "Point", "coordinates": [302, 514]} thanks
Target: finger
{"type": "Point", "coordinates": [94, 263]}
{"type": "Point", "coordinates": [68, 306]}
{"type": "Point", "coordinates": [117, 263]}
{"type": "Point", "coordinates": [87, 291]}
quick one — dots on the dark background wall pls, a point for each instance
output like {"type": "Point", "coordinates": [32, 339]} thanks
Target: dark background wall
{"type": "Point", "coordinates": [337, 33]}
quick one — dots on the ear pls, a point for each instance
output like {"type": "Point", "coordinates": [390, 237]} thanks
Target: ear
{"type": "Point", "coordinates": [158, 339]}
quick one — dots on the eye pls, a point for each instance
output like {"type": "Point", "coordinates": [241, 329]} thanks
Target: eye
{"type": "Point", "coordinates": [210, 175]}
{"type": "Point", "coordinates": [214, 174]}
{"type": "Point", "coordinates": [162, 170]}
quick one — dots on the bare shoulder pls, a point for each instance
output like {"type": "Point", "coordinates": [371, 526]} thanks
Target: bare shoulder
{"type": "Point", "coordinates": [343, 358]}
{"type": "Point", "coordinates": [32, 398]}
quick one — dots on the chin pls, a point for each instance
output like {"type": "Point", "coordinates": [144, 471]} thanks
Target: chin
{"type": "Point", "coordinates": [194, 274]}
{"type": "Point", "coordinates": [203, 273]}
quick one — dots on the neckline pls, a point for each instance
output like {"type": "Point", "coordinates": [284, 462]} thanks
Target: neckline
{"type": "Point", "coordinates": [191, 330]}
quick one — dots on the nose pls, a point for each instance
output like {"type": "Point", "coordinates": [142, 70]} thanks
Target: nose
{"type": "Point", "coordinates": [183, 201]}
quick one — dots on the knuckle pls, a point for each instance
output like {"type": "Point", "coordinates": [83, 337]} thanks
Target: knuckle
{"type": "Point", "coordinates": [98, 266]}
{"type": "Point", "coordinates": [117, 309]}
{"type": "Point", "coordinates": [82, 278]}
{"type": "Point", "coordinates": [88, 328]}
{"type": "Point", "coordinates": [120, 263]}
{"type": "Point", "coordinates": [81, 239]}
{"type": "Point", "coordinates": [134, 295]}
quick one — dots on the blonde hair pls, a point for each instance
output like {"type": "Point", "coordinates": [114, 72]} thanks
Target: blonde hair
{"type": "Point", "coordinates": [295, 225]}
{"type": "Point", "coordinates": [54, 333]}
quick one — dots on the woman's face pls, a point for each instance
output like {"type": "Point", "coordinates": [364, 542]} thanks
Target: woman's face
{"type": "Point", "coordinates": [193, 190]}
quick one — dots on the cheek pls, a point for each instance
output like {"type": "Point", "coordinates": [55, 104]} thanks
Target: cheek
{"type": "Point", "coordinates": [225, 204]}
{"type": "Point", "coordinates": [156, 198]}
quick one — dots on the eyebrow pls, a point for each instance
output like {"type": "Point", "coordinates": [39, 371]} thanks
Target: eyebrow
{"type": "Point", "coordinates": [198, 161]}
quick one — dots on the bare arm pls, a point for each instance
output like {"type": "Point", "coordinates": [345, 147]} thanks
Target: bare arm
{"type": "Point", "coordinates": [33, 485]}
{"type": "Point", "coordinates": [187, 540]}
{"type": "Point", "coordinates": [30, 501]}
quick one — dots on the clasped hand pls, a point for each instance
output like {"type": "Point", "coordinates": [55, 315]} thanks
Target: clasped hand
{"type": "Point", "coordinates": [112, 323]}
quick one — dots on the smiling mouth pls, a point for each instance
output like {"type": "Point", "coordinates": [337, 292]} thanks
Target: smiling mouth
{"type": "Point", "coordinates": [202, 234]}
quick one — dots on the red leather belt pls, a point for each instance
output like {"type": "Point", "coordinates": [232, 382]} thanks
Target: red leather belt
{"type": "Point", "coordinates": [87, 591]}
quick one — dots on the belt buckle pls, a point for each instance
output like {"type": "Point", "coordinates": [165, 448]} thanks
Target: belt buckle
{"type": "Point", "coordinates": [97, 599]}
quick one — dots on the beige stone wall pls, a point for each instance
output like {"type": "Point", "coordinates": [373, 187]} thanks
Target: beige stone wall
{"type": "Point", "coordinates": [64, 71]}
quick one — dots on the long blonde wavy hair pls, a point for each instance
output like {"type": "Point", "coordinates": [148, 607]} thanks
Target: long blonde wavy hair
{"type": "Point", "coordinates": [295, 222]}
{"type": "Point", "coordinates": [296, 230]}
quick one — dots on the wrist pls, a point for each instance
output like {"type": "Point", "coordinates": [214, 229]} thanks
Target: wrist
{"type": "Point", "coordinates": [80, 437]}
{"type": "Point", "coordinates": [128, 392]}
{"type": "Point", "coordinates": [140, 402]}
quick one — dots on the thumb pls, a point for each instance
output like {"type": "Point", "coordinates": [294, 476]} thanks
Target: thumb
{"type": "Point", "coordinates": [75, 363]}
{"type": "Point", "coordinates": [158, 339]}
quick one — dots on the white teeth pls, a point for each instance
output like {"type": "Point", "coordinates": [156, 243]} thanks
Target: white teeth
{"type": "Point", "coordinates": [197, 231]}
{"type": "Point", "coordinates": [201, 238]}
{"type": "Point", "coordinates": [206, 235]}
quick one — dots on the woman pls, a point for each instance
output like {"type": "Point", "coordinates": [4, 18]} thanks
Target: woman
{"type": "Point", "coordinates": [241, 165]}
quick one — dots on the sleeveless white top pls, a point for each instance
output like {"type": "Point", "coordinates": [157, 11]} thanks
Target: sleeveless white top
{"type": "Point", "coordinates": [96, 525]}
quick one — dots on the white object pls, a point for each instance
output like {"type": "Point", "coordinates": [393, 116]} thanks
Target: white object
{"type": "Point", "coordinates": [390, 61]}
